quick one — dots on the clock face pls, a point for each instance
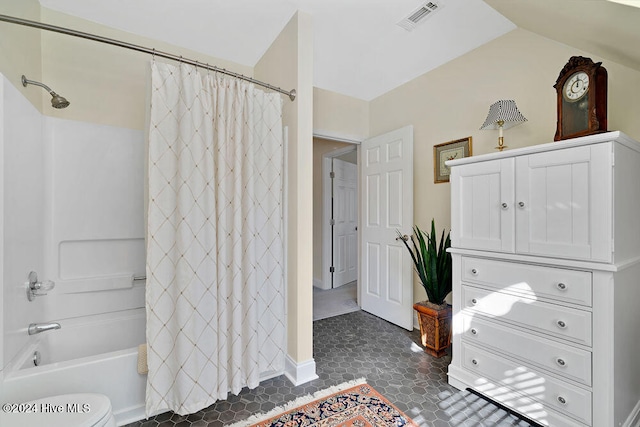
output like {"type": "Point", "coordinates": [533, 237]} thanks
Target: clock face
{"type": "Point", "coordinates": [576, 86]}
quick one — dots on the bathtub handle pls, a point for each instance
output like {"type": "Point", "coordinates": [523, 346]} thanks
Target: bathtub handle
{"type": "Point", "coordinates": [35, 288]}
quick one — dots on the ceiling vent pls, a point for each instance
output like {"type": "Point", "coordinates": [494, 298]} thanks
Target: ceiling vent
{"type": "Point", "coordinates": [420, 15]}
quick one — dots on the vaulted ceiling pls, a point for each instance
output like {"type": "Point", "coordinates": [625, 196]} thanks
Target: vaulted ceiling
{"type": "Point", "coordinates": [359, 50]}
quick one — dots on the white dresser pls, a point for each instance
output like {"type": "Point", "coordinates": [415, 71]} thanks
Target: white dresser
{"type": "Point", "coordinates": [546, 279]}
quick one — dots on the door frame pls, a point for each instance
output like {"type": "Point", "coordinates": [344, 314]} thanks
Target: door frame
{"type": "Point", "coordinates": [326, 210]}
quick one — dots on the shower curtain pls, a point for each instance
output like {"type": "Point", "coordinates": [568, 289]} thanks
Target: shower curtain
{"type": "Point", "coordinates": [215, 277]}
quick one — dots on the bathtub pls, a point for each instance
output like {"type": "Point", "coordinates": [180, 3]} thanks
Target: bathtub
{"type": "Point", "coordinates": [92, 354]}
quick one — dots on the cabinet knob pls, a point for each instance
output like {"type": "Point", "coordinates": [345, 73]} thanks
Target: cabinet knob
{"type": "Point", "coordinates": [521, 204]}
{"type": "Point", "coordinates": [474, 301]}
{"type": "Point", "coordinates": [561, 324]}
{"type": "Point", "coordinates": [505, 206]}
{"type": "Point", "coordinates": [562, 400]}
{"type": "Point", "coordinates": [561, 286]}
{"type": "Point", "coordinates": [474, 271]}
{"type": "Point", "coordinates": [474, 361]}
{"type": "Point", "coordinates": [560, 361]}
{"type": "Point", "coordinates": [474, 331]}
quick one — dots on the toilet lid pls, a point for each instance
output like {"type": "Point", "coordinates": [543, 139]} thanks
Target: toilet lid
{"type": "Point", "coordinates": [67, 410]}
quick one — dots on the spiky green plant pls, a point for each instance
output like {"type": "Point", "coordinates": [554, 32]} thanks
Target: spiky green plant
{"type": "Point", "coordinates": [432, 262]}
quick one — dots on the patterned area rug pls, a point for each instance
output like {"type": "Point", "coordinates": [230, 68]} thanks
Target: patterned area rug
{"type": "Point", "coordinates": [354, 404]}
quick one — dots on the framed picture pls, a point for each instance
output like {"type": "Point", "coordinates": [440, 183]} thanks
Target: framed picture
{"type": "Point", "coordinates": [448, 151]}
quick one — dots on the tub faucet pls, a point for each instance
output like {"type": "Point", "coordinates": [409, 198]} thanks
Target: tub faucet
{"type": "Point", "coordinates": [36, 328]}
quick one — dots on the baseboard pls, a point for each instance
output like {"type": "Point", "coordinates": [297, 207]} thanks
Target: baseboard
{"type": "Point", "coordinates": [633, 420]}
{"type": "Point", "coordinates": [299, 372]}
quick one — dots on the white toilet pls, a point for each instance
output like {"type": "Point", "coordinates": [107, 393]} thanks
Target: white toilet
{"type": "Point", "coordinates": [67, 410]}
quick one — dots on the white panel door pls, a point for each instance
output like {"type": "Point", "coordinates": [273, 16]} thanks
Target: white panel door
{"type": "Point", "coordinates": [345, 215]}
{"type": "Point", "coordinates": [564, 203]}
{"type": "Point", "coordinates": [482, 205]}
{"type": "Point", "coordinates": [386, 176]}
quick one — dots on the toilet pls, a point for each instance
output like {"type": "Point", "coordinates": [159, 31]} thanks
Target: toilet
{"type": "Point", "coordinates": [67, 410]}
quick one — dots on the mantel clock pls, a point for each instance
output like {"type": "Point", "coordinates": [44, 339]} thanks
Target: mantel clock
{"type": "Point", "coordinates": [581, 90]}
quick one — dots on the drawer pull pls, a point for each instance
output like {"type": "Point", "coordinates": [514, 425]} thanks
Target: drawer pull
{"type": "Point", "coordinates": [521, 204]}
{"type": "Point", "coordinates": [474, 331]}
{"type": "Point", "coordinates": [562, 400]}
{"type": "Point", "coordinates": [561, 362]}
{"type": "Point", "coordinates": [474, 271]}
{"type": "Point", "coordinates": [474, 361]}
{"type": "Point", "coordinates": [474, 301]}
{"type": "Point", "coordinates": [561, 286]}
{"type": "Point", "coordinates": [561, 324]}
{"type": "Point", "coordinates": [505, 206]}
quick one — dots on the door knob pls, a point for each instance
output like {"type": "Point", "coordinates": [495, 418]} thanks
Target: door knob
{"type": "Point", "coordinates": [404, 237]}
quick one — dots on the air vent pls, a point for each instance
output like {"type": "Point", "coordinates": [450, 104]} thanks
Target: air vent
{"type": "Point", "coordinates": [419, 15]}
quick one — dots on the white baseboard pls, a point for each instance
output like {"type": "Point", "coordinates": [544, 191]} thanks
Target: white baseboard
{"type": "Point", "coordinates": [299, 372]}
{"type": "Point", "coordinates": [633, 420]}
{"type": "Point", "coordinates": [318, 283]}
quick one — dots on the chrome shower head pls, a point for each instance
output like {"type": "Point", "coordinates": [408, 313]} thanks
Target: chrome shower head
{"type": "Point", "coordinates": [57, 101]}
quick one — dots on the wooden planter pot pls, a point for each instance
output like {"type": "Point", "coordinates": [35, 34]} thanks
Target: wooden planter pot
{"type": "Point", "coordinates": [435, 327]}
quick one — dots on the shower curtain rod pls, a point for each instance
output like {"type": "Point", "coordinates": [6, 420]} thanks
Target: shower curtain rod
{"type": "Point", "coordinates": [13, 20]}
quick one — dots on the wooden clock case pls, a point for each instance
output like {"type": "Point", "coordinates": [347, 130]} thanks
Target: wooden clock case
{"type": "Point", "coordinates": [573, 121]}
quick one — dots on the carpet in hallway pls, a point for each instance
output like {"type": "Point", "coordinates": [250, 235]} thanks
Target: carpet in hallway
{"type": "Point", "coordinates": [334, 302]}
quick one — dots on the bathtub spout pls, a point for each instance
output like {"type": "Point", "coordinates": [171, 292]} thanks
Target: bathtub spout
{"type": "Point", "coordinates": [36, 328]}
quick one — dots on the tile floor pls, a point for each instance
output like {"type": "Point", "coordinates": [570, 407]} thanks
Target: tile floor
{"type": "Point", "coordinates": [358, 345]}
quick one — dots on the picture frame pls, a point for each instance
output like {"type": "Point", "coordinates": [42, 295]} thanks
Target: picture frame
{"type": "Point", "coordinates": [456, 149]}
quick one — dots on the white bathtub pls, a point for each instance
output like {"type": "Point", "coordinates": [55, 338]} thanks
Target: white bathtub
{"type": "Point", "coordinates": [92, 354]}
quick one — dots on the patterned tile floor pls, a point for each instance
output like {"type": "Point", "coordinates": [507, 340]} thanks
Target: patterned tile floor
{"type": "Point", "coordinates": [358, 345]}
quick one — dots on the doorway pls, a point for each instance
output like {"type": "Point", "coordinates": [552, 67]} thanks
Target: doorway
{"type": "Point", "coordinates": [335, 228]}
{"type": "Point", "coordinates": [384, 180]}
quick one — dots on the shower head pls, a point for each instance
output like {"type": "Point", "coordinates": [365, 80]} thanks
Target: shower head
{"type": "Point", "coordinates": [57, 101]}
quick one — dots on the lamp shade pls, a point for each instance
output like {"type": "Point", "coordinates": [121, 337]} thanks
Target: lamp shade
{"type": "Point", "coordinates": [503, 113]}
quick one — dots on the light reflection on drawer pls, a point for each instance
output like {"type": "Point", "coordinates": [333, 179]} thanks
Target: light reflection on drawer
{"type": "Point", "coordinates": [565, 398]}
{"type": "Point", "coordinates": [553, 356]}
{"type": "Point", "coordinates": [530, 280]}
{"type": "Point", "coordinates": [561, 322]}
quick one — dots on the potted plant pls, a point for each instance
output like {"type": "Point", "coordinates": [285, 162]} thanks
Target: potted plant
{"type": "Point", "coordinates": [432, 263]}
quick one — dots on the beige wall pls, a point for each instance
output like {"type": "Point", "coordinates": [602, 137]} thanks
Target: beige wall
{"type": "Point", "coordinates": [20, 48]}
{"type": "Point", "coordinates": [320, 148]}
{"type": "Point", "coordinates": [452, 102]}
{"type": "Point", "coordinates": [339, 116]}
{"type": "Point", "coordinates": [105, 84]}
{"type": "Point", "coordinates": [288, 63]}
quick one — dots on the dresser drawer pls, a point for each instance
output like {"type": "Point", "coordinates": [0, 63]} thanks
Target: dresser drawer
{"type": "Point", "coordinates": [555, 283]}
{"type": "Point", "coordinates": [562, 322]}
{"type": "Point", "coordinates": [565, 398]}
{"type": "Point", "coordinates": [553, 356]}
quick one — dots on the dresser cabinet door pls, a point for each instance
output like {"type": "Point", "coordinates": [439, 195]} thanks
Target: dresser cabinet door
{"type": "Point", "coordinates": [482, 197]}
{"type": "Point", "coordinates": [563, 203]}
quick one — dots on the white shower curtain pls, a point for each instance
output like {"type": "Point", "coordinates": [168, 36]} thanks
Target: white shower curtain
{"type": "Point", "coordinates": [215, 278]}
